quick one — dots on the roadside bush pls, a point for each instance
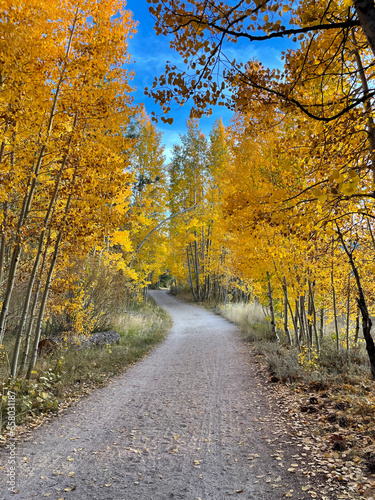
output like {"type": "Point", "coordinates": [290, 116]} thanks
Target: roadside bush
{"type": "Point", "coordinates": [350, 363]}
{"type": "Point", "coordinates": [282, 362]}
{"type": "Point", "coordinates": [33, 397]}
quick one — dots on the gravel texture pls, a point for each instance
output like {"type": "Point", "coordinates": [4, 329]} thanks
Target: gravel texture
{"type": "Point", "coordinates": [190, 421]}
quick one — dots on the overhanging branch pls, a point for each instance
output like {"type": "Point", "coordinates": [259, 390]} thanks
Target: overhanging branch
{"type": "Point", "coordinates": [156, 228]}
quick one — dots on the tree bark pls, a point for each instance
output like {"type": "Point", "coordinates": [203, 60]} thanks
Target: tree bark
{"type": "Point", "coordinates": [362, 304]}
{"type": "Point", "coordinates": [356, 336]}
{"type": "Point", "coordinates": [38, 326]}
{"type": "Point", "coordinates": [197, 271]}
{"type": "Point", "coordinates": [314, 318]}
{"type": "Point", "coordinates": [365, 10]}
{"type": "Point", "coordinates": [189, 270]}
{"type": "Point", "coordinates": [47, 285]}
{"type": "Point", "coordinates": [29, 331]}
{"type": "Point", "coordinates": [295, 323]}
{"type": "Point", "coordinates": [302, 314]}
{"type": "Point", "coordinates": [335, 311]}
{"type": "Point", "coordinates": [321, 323]}
{"type": "Point", "coordinates": [348, 315]}
{"type": "Point", "coordinates": [286, 303]}
{"type": "Point", "coordinates": [272, 311]}
{"type": "Point", "coordinates": [3, 242]}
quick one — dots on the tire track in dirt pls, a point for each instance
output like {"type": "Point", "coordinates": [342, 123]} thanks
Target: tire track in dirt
{"type": "Point", "coordinates": [183, 423]}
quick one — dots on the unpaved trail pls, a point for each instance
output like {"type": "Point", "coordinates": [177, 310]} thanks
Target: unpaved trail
{"type": "Point", "coordinates": [190, 421]}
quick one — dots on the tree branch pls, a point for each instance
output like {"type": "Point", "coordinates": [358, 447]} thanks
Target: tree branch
{"type": "Point", "coordinates": [156, 228]}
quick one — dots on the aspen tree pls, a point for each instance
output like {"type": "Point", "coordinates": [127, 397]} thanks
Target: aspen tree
{"type": "Point", "coordinates": [63, 148]}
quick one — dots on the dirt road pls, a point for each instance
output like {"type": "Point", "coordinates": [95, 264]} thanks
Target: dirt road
{"type": "Point", "coordinates": [190, 421]}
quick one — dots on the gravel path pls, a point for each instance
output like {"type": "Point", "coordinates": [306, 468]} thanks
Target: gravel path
{"type": "Point", "coordinates": [190, 421]}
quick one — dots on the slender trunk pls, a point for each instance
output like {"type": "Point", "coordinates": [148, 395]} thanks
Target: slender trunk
{"type": "Point", "coordinates": [314, 319]}
{"type": "Point", "coordinates": [309, 322]}
{"type": "Point", "coordinates": [295, 323]}
{"type": "Point", "coordinates": [190, 276]}
{"type": "Point", "coordinates": [272, 311]}
{"type": "Point", "coordinates": [204, 264]}
{"type": "Point", "coordinates": [38, 326]}
{"type": "Point", "coordinates": [362, 304]}
{"type": "Point", "coordinates": [3, 242]}
{"type": "Point", "coordinates": [348, 316]}
{"type": "Point", "coordinates": [9, 289]}
{"type": "Point", "coordinates": [334, 299]}
{"type": "Point", "coordinates": [5, 217]}
{"type": "Point", "coordinates": [356, 336]}
{"type": "Point", "coordinates": [305, 323]}
{"type": "Point", "coordinates": [321, 323]}
{"type": "Point", "coordinates": [47, 285]}
{"type": "Point", "coordinates": [208, 264]}
{"type": "Point", "coordinates": [302, 315]}
{"type": "Point", "coordinates": [26, 306]}
{"type": "Point", "coordinates": [335, 310]}
{"type": "Point", "coordinates": [16, 254]}
{"type": "Point", "coordinates": [25, 353]}
{"type": "Point", "coordinates": [286, 302]}
{"type": "Point", "coordinates": [197, 271]}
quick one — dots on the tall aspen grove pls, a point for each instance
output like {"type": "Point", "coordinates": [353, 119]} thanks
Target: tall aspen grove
{"type": "Point", "coordinates": [66, 172]}
{"type": "Point", "coordinates": [271, 208]}
{"type": "Point", "coordinates": [290, 196]}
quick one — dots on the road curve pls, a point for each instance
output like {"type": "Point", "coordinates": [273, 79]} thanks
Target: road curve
{"type": "Point", "coordinates": [190, 421]}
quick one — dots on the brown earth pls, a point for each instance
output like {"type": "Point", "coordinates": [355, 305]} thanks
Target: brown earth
{"type": "Point", "coordinates": [193, 420]}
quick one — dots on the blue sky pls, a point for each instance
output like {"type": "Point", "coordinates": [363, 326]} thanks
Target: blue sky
{"type": "Point", "coordinates": [150, 53]}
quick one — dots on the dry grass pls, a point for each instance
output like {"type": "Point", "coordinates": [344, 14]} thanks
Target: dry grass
{"type": "Point", "coordinates": [251, 318]}
{"type": "Point", "coordinates": [286, 362]}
